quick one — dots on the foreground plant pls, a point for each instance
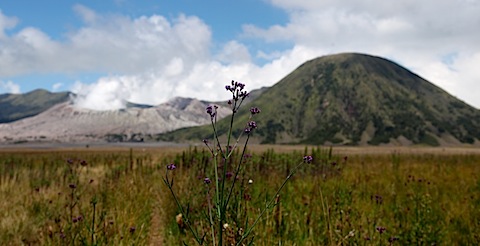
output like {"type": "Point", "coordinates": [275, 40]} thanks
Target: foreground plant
{"type": "Point", "coordinates": [225, 224]}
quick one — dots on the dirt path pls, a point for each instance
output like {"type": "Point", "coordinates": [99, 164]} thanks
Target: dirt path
{"type": "Point", "coordinates": [156, 228]}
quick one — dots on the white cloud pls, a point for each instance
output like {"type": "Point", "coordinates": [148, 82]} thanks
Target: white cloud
{"type": "Point", "coordinates": [107, 44]}
{"type": "Point", "coordinates": [417, 34]}
{"type": "Point", "coordinates": [57, 86]}
{"type": "Point", "coordinates": [150, 59]}
{"type": "Point", "coordinates": [234, 52]}
{"type": "Point", "coordinates": [9, 87]}
{"type": "Point", "coordinates": [6, 23]}
{"type": "Point", "coordinates": [88, 15]}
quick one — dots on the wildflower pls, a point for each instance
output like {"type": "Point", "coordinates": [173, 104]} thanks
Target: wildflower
{"type": "Point", "coordinates": [240, 85]}
{"type": "Point", "coordinates": [308, 159]}
{"type": "Point", "coordinates": [207, 181]}
{"type": "Point", "coordinates": [229, 175]}
{"type": "Point", "coordinates": [243, 95]}
{"type": "Point", "coordinates": [225, 226]}
{"type": "Point", "coordinates": [132, 229]}
{"type": "Point", "coordinates": [73, 186]}
{"type": "Point", "coordinates": [254, 110]}
{"type": "Point", "coordinates": [381, 229]}
{"type": "Point", "coordinates": [211, 111]}
{"type": "Point", "coordinates": [250, 181]}
{"type": "Point", "coordinates": [252, 124]}
{"type": "Point", "coordinates": [247, 130]}
{"type": "Point", "coordinates": [74, 220]}
{"type": "Point", "coordinates": [171, 166]}
{"type": "Point", "coordinates": [83, 163]}
{"type": "Point", "coordinates": [70, 161]}
{"type": "Point", "coordinates": [393, 239]}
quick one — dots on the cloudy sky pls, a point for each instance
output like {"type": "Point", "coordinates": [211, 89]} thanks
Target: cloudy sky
{"type": "Point", "coordinates": [148, 51]}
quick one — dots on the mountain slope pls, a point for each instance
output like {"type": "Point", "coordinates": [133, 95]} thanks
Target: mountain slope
{"type": "Point", "coordinates": [66, 123]}
{"type": "Point", "coordinates": [355, 99]}
{"type": "Point", "coordinates": [18, 106]}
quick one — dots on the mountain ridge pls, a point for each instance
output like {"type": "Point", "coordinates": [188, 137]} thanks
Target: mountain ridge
{"type": "Point", "coordinates": [341, 99]}
{"type": "Point", "coordinates": [355, 99]}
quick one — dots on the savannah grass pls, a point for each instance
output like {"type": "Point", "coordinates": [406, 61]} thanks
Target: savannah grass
{"type": "Point", "coordinates": [419, 198]}
{"type": "Point", "coordinates": [226, 223]}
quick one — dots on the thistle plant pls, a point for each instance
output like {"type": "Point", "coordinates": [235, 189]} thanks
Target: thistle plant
{"type": "Point", "coordinates": [221, 214]}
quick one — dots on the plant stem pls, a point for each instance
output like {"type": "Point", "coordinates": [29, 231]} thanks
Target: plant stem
{"type": "Point", "coordinates": [187, 221]}
{"type": "Point", "coordinates": [245, 235]}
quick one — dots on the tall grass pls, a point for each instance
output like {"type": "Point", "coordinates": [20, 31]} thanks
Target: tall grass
{"type": "Point", "coordinates": [366, 199]}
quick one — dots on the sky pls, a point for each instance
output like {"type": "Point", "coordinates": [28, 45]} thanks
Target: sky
{"type": "Point", "coordinates": [148, 51]}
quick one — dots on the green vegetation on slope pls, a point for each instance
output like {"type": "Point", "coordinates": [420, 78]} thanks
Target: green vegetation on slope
{"type": "Point", "coordinates": [18, 106]}
{"type": "Point", "coordinates": [354, 99]}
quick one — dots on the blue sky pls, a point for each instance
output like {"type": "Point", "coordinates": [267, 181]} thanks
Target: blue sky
{"type": "Point", "coordinates": [148, 51]}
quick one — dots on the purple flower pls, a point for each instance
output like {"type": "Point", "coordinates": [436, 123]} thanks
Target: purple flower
{"type": "Point", "coordinates": [83, 163]}
{"type": "Point", "coordinates": [171, 166]}
{"type": "Point", "coordinates": [207, 181]}
{"type": "Point", "coordinates": [381, 229]}
{"type": "Point", "coordinates": [132, 229]}
{"type": "Point", "coordinates": [248, 130]}
{"type": "Point", "coordinates": [252, 124]}
{"type": "Point", "coordinates": [254, 110]}
{"type": "Point", "coordinates": [240, 85]}
{"type": "Point", "coordinates": [228, 88]}
{"type": "Point", "coordinates": [229, 175]}
{"type": "Point", "coordinates": [243, 95]}
{"type": "Point", "coordinates": [210, 110]}
{"type": "Point", "coordinates": [73, 186]}
{"type": "Point", "coordinates": [393, 239]}
{"type": "Point", "coordinates": [308, 159]}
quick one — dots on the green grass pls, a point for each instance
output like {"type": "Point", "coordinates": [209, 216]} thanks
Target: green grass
{"type": "Point", "coordinates": [419, 198]}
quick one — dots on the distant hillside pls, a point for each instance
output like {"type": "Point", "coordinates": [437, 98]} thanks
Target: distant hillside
{"type": "Point", "coordinates": [18, 106]}
{"type": "Point", "coordinates": [65, 122]}
{"type": "Point", "coordinates": [354, 99]}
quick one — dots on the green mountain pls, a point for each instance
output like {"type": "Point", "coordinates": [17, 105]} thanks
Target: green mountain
{"type": "Point", "coordinates": [353, 99]}
{"type": "Point", "coordinates": [18, 106]}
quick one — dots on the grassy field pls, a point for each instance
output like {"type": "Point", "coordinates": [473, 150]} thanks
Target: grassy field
{"type": "Point", "coordinates": [347, 196]}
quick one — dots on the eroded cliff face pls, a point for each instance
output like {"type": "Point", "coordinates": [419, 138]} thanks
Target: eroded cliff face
{"type": "Point", "coordinates": [65, 122]}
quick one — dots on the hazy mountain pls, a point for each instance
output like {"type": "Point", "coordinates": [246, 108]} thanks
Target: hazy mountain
{"type": "Point", "coordinates": [354, 99]}
{"type": "Point", "coordinates": [64, 122]}
{"type": "Point", "coordinates": [18, 106]}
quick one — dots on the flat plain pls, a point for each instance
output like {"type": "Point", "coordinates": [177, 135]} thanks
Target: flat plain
{"type": "Point", "coordinates": [112, 195]}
